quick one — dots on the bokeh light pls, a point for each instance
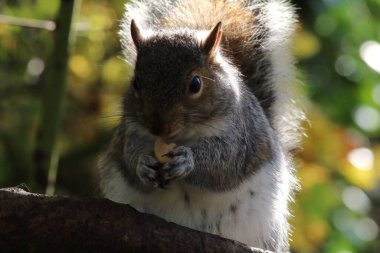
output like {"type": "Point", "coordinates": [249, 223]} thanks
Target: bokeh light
{"type": "Point", "coordinates": [370, 53]}
{"type": "Point", "coordinates": [361, 158]}
{"type": "Point", "coordinates": [35, 66]}
{"type": "Point", "coordinates": [355, 199]}
{"type": "Point", "coordinates": [367, 118]}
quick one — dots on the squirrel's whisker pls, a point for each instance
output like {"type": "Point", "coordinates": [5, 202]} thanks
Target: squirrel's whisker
{"type": "Point", "coordinates": [208, 78]}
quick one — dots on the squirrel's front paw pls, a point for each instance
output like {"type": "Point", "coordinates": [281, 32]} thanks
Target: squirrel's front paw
{"type": "Point", "coordinates": [181, 164]}
{"type": "Point", "coordinates": [147, 170]}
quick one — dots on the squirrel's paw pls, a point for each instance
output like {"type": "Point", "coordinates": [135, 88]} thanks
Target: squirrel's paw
{"type": "Point", "coordinates": [147, 170]}
{"type": "Point", "coordinates": [180, 165]}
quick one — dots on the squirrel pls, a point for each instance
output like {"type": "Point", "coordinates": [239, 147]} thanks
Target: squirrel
{"type": "Point", "coordinates": [217, 80]}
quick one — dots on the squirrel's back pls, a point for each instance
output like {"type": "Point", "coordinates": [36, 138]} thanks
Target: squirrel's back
{"type": "Point", "coordinates": [256, 38]}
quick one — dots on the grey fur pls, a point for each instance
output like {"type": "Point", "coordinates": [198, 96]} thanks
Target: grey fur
{"type": "Point", "coordinates": [204, 221]}
{"type": "Point", "coordinates": [228, 134]}
{"type": "Point", "coordinates": [251, 194]}
{"type": "Point", "coordinates": [255, 58]}
{"type": "Point", "coordinates": [217, 163]}
{"type": "Point", "coordinates": [218, 224]}
{"type": "Point", "coordinates": [220, 162]}
{"type": "Point", "coordinates": [233, 208]}
{"type": "Point", "coordinates": [187, 199]}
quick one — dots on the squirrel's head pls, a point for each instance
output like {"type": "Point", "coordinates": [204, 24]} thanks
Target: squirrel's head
{"type": "Point", "coordinates": [181, 82]}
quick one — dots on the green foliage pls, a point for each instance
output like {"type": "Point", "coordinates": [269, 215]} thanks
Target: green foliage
{"type": "Point", "coordinates": [343, 30]}
{"type": "Point", "coordinates": [338, 167]}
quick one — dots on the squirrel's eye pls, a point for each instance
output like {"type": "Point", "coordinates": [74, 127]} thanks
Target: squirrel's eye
{"type": "Point", "coordinates": [195, 85]}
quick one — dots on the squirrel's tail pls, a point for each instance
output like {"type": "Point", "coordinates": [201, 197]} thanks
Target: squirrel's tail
{"type": "Point", "coordinates": [273, 74]}
{"type": "Point", "coordinates": [257, 38]}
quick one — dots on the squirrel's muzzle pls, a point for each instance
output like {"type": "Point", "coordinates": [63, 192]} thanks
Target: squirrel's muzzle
{"type": "Point", "coordinates": [157, 124]}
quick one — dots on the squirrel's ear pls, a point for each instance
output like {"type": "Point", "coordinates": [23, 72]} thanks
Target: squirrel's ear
{"type": "Point", "coordinates": [211, 43]}
{"type": "Point", "coordinates": [136, 34]}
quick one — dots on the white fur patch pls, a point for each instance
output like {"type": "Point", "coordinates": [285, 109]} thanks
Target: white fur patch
{"type": "Point", "coordinates": [280, 19]}
{"type": "Point", "coordinates": [248, 213]}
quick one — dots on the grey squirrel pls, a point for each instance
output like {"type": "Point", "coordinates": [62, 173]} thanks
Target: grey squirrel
{"type": "Point", "coordinates": [216, 78]}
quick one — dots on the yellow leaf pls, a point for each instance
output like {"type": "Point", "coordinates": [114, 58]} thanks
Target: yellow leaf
{"type": "Point", "coordinates": [79, 65]}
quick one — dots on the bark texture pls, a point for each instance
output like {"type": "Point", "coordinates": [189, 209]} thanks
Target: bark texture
{"type": "Point", "coordinates": [37, 223]}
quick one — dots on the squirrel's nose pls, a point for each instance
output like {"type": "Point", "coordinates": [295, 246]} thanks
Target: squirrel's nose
{"type": "Point", "coordinates": [157, 129]}
{"type": "Point", "coordinates": [156, 124]}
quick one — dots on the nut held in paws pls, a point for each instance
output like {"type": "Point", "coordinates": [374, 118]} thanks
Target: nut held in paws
{"type": "Point", "coordinates": [161, 148]}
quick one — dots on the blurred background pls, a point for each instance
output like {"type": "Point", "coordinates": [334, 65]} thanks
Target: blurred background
{"type": "Point", "coordinates": [54, 124]}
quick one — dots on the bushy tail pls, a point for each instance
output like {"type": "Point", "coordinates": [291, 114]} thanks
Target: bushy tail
{"type": "Point", "coordinates": [257, 38]}
{"type": "Point", "coordinates": [274, 77]}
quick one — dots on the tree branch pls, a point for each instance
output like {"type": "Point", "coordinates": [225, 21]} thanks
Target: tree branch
{"type": "Point", "coordinates": [36, 223]}
{"type": "Point", "coordinates": [28, 22]}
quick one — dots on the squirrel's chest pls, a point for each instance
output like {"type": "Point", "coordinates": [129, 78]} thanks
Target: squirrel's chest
{"type": "Point", "coordinates": [242, 214]}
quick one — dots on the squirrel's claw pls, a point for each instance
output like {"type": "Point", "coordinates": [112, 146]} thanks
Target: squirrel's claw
{"type": "Point", "coordinates": [181, 165]}
{"type": "Point", "coordinates": [147, 170]}
{"type": "Point", "coordinates": [151, 172]}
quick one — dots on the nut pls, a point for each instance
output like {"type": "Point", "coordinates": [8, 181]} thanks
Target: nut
{"type": "Point", "coordinates": [161, 148]}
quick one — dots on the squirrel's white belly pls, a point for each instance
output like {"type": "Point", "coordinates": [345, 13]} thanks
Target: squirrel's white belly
{"type": "Point", "coordinates": [248, 213]}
